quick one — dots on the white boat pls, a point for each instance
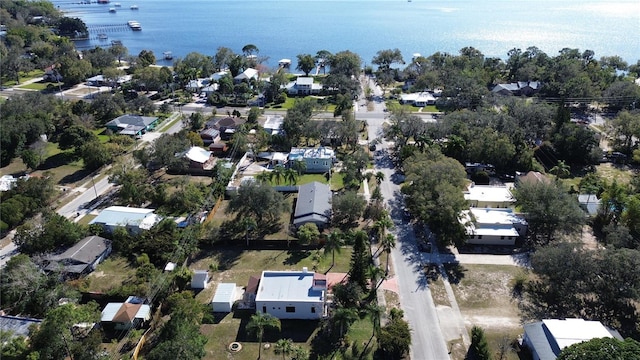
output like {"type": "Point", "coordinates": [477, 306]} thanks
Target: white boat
{"type": "Point", "coordinates": [117, 4]}
{"type": "Point", "coordinates": [102, 36]}
{"type": "Point", "coordinates": [168, 55]}
{"type": "Point", "coordinates": [134, 25]}
{"type": "Point", "coordinates": [134, 7]}
{"type": "Point", "coordinates": [112, 10]}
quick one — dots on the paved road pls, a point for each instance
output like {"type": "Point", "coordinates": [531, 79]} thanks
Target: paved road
{"type": "Point", "coordinates": [427, 341]}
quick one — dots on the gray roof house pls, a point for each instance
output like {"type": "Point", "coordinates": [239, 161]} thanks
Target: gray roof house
{"type": "Point", "coordinates": [546, 339]}
{"type": "Point", "coordinates": [313, 205]}
{"type": "Point", "coordinates": [132, 124]}
{"type": "Point", "coordinates": [525, 88]}
{"type": "Point", "coordinates": [17, 326]}
{"type": "Point", "coordinates": [81, 258]}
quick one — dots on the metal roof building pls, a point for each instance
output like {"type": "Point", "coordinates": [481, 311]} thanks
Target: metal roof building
{"type": "Point", "coordinates": [134, 219]}
{"type": "Point", "coordinates": [313, 204]}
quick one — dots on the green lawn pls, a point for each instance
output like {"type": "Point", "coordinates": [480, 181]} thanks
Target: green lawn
{"type": "Point", "coordinates": [23, 77]}
{"type": "Point", "coordinates": [100, 133]}
{"type": "Point", "coordinates": [40, 85]}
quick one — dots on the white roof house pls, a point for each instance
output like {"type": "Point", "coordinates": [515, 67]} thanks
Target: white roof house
{"type": "Point", "coordinates": [247, 75]}
{"type": "Point", "coordinates": [134, 219]}
{"type": "Point", "coordinates": [292, 294]}
{"type": "Point", "coordinates": [273, 124]}
{"type": "Point", "coordinates": [224, 297]}
{"type": "Point", "coordinates": [199, 279]}
{"type": "Point", "coordinates": [546, 339]}
{"type": "Point", "coordinates": [303, 85]}
{"type": "Point", "coordinates": [418, 99]}
{"type": "Point", "coordinates": [486, 226]}
{"type": "Point", "coordinates": [7, 182]}
{"type": "Point", "coordinates": [198, 154]}
{"type": "Point", "coordinates": [488, 196]}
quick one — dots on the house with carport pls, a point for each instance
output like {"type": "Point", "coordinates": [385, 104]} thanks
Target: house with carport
{"type": "Point", "coordinates": [292, 294]}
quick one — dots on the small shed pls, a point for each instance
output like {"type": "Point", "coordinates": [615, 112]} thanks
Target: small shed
{"type": "Point", "coordinates": [199, 279]}
{"type": "Point", "coordinates": [224, 297]}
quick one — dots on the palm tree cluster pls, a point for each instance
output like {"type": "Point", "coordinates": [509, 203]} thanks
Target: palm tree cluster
{"type": "Point", "coordinates": [278, 174]}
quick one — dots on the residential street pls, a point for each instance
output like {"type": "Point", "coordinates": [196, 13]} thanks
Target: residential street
{"type": "Point", "coordinates": [427, 341]}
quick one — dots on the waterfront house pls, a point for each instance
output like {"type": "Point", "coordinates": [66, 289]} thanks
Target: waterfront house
{"type": "Point", "coordinates": [303, 86]}
{"type": "Point", "coordinates": [133, 125]}
{"type": "Point", "coordinates": [313, 205]}
{"type": "Point", "coordinates": [133, 219]}
{"type": "Point", "coordinates": [546, 339]}
{"type": "Point", "coordinates": [247, 75]}
{"type": "Point", "coordinates": [317, 160]}
{"type": "Point", "coordinates": [82, 258]}
{"type": "Point", "coordinates": [292, 294]}
{"type": "Point", "coordinates": [485, 226]}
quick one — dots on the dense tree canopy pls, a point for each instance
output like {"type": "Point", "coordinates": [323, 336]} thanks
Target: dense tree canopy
{"type": "Point", "coordinates": [602, 349]}
{"type": "Point", "coordinates": [433, 190]}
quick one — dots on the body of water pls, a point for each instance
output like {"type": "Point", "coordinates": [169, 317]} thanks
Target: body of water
{"type": "Point", "coordinates": [284, 29]}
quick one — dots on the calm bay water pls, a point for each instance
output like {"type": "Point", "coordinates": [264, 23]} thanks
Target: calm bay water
{"type": "Point", "coordinates": [284, 29]}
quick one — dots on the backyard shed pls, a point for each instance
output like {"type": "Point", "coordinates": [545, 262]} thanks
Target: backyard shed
{"type": "Point", "coordinates": [224, 297]}
{"type": "Point", "coordinates": [199, 279]}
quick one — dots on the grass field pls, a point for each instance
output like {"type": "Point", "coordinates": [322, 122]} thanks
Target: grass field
{"type": "Point", "coordinates": [110, 274]}
{"type": "Point", "coordinates": [23, 77]}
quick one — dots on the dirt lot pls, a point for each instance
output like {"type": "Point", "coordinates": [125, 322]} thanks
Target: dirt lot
{"type": "Point", "coordinates": [484, 296]}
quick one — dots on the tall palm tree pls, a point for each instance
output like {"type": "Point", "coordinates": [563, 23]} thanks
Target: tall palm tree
{"type": "Point", "coordinates": [375, 274]}
{"type": "Point", "coordinates": [284, 347]}
{"type": "Point", "coordinates": [375, 312]}
{"type": "Point", "coordinates": [379, 177]}
{"type": "Point", "coordinates": [333, 243]}
{"type": "Point", "coordinates": [258, 323]}
{"type": "Point", "coordinates": [342, 318]}
{"type": "Point", "coordinates": [248, 224]}
{"type": "Point", "coordinates": [388, 243]}
{"type": "Point", "coordinates": [383, 225]}
{"type": "Point", "coordinates": [299, 166]}
{"type": "Point", "coordinates": [278, 174]}
{"type": "Point", "coordinates": [291, 176]}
